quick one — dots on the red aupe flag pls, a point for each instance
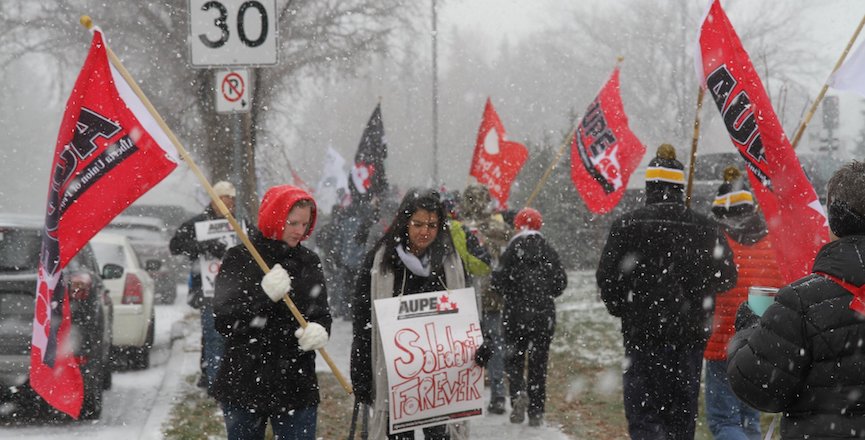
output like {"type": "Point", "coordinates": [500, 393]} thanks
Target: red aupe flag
{"type": "Point", "coordinates": [604, 151]}
{"type": "Point", "coordinates": [109, 152]}
{"type": "Point", "coordinates": [796, 220]}
{"type": "Point", "coordinates": [496, 161]}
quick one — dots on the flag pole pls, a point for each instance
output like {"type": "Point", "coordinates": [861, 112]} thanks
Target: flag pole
{"type": "Point", "coordinates": [559, 155]}
{"type": "Point", "coordinates": [87, 22]}
{"type": "Point", "coordinates": [813, 109]}
{"type": "Point", "coordinates": [694, 142]}
{"type": "Point", "coordinates": [550, 168]}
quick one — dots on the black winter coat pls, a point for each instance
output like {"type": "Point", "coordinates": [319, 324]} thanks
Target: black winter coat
{"type": "Point", "coordinates": [184, 243]}
{"type": "Point", "coordinates": [660, 270]}
{"type": "Point", "coordinates": [529, 278]}
{"type": "Point", "coordinates": [263, 367]}
{"type": "Point", "coordinates": [806, 357]}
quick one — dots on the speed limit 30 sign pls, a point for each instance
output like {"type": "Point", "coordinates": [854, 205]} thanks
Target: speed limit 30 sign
{"type": "Point", "coordinates": [232, 33]}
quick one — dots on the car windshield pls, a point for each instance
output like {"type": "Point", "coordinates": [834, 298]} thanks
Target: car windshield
{"type": "Point", "coordinates": [19, 249]}
{"type": "Point", "coordinates": [107, 253]}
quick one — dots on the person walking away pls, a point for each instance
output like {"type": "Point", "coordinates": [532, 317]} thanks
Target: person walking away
{"type": "Point", "coordinates": [529, 278]}
{"type": "Point", "coordinates": [201, 252]}
{"type": "Point", "coordinates": [268, 372]}
{"type": "Point", "coordinates": [338, 281]}
{"type": "Point", "coordinates": [415, 255]}
{"type": "Point", "coordinates": [804, 356]}
{"type": "Point", "coordinates": [728, 417]}
{"type": "Point", "coordinates": [492, 234]}
{"type": "Point", "coordinates": [659, 271]}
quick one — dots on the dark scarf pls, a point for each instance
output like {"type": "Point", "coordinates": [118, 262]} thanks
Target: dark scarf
{"type": "Point", "coordinates": [744, 229]}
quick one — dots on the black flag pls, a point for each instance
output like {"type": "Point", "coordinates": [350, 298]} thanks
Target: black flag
{"type": "Point", "coordinates": [367, 177]}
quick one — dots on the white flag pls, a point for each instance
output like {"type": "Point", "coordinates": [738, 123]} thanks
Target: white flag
{"type": "Point", "coordinates": [333, 178]}
{"type": "Point", "coordinates": [851, 75]}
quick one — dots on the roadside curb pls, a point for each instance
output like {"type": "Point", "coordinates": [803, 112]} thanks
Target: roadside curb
{"type": "Point", "coordinates": [182, 363]}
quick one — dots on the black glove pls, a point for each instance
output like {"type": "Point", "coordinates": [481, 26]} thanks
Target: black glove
{"type": "Point", "coordinates": [195, 298]}
{"type": "Point", "coordinates": [214, 248]}
{"type": "Point", "coordinates": [483, 354]}
{"type": "Point", "coordinates": [746, 318]}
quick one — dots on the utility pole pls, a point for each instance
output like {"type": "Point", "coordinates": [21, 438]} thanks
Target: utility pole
{"type": "Point", "coordinates": [435, 96]}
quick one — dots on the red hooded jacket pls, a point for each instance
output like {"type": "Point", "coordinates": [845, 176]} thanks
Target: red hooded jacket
{"type": "Point", "coordinates": [276, 205]}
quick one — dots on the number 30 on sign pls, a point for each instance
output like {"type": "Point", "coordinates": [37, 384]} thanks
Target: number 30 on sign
{"type": "Point", "coordinates": [232, 33]}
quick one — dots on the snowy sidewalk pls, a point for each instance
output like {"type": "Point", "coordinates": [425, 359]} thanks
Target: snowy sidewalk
{"type": "Point", "coordinates": [490, 426]}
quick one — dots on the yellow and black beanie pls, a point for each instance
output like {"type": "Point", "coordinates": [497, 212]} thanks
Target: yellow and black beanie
{"type": "Point", "coordinates": [665, 174]}
{"type": "Point", "coordinates": [734, 198]}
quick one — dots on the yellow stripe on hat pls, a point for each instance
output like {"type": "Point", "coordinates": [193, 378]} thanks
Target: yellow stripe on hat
{"type": "Point", "coordinates": [734, 198]}
{"type": "Point", "coordinates": [662, 174]}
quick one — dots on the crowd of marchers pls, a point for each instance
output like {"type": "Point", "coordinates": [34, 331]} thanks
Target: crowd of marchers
{"type": "Point", "coordinates": [686, 285]}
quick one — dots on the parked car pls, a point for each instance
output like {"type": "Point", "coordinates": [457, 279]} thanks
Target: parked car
{"type": "Point", "coordinates": [149, 236]}
{"type": "Point", "coordinates": [92, 315]}
{"type": "Point", "coordinates": [132, 291]}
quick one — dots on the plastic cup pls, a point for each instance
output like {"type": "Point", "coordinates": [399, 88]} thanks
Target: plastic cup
{"type": "Point", "coordinates": [760, 298]}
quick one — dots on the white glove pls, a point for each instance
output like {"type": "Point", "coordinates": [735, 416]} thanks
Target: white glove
{"type": "Point", "coordinates": [313, 337]}
{"type": "Point", "coordinates": [276, 283]}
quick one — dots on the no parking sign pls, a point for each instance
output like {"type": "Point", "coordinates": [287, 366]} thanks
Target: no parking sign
{"type": "Point", "coordinates": [232, 91]}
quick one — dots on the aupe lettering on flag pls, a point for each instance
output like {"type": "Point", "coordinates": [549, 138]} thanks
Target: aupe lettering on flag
{"type": "Point", "coordinates": [110, 150]}
{"type": "Point", "coordinates": [796, 219]}
{"type": "Point", "coordinates": [604, 150]}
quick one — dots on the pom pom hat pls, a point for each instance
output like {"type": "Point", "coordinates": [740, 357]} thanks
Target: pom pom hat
{"type": "Point", "coordinates": [528, 218]}
{"type": "Point", "coordinates": [733, 197]}
{"type": "Point", "coordinates": [664, 168]}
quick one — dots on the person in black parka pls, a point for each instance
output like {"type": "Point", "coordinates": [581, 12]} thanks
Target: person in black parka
{"type": "Point", "coordinates": [185, 242]}
{"type": "Point", "coordinates": [268, 371]}
{"type": "Point", "coordinates": [529, 278]}
{"type": "Point", "coordinates": [805, 357]}
{"type": "Point", "coordinates": [659, 272]}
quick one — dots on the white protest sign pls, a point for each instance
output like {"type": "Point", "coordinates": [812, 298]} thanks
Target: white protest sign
{"type": "Point", "coordinates": [429, 342]}
{"type": "Point", "coordinates": [213, 230]}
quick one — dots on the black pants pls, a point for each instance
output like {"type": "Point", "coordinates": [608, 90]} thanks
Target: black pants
{"type": "Point", "coordinates": [532, 340]}
{"type": "Point", "coordinates": [438, 432]}
{"type": "Point", "coordinates": [661, 388]}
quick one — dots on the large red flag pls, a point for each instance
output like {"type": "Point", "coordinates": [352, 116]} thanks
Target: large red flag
{"type": "Point", "coordinates": [797, 222]}
{"type": "Point", "coordinates": [109, 152]}
{"type": "Point", "coordinates": [496, 161]}
{"type": "Point", "coordinates": [604, 151]}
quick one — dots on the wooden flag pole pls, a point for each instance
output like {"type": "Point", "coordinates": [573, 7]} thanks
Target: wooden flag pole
{"type": "Point", "coordinates": [825, 87]}
{"type": "Point", "coordinates": [550, 168]}
{"type": "Point", "coordinates": [87, 22]}
{"type": "Point", "coordinates": [694, 142]}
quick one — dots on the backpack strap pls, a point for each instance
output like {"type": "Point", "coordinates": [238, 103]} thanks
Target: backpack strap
{"type": "Point", "coordinates": [858, 292]}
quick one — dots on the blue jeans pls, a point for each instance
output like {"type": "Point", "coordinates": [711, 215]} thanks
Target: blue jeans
{"type": "Point", "coordinates": [661, 388]}
{"type": "Point", "coordinates": [729, 418]}
{"type": "Point", "coordinates": [243, 424]}
{"type": "Point", "coordinates": [212, 345]}
{"type": "Point", "coordinates": [492, 323]}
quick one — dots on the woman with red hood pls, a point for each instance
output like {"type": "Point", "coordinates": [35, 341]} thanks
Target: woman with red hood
{"type": "Point", "coordinates": [268, 371]}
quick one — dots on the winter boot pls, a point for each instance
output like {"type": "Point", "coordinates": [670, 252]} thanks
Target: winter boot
{"type": "Point", "coordinates": [497, 405]}
{"type": "Point", "coordinates": [521, 403]}
{"type": "Point", "coordinates": [536, 421]}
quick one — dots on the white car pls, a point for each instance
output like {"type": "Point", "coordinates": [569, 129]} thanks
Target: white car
{"type": "Point", "coordinates": [132, 291]}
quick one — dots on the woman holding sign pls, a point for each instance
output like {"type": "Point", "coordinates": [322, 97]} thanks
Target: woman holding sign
{"type": "Point", "coordinates": [268, 371]}
{"type": "Point", "coordinates": [416, 255]}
